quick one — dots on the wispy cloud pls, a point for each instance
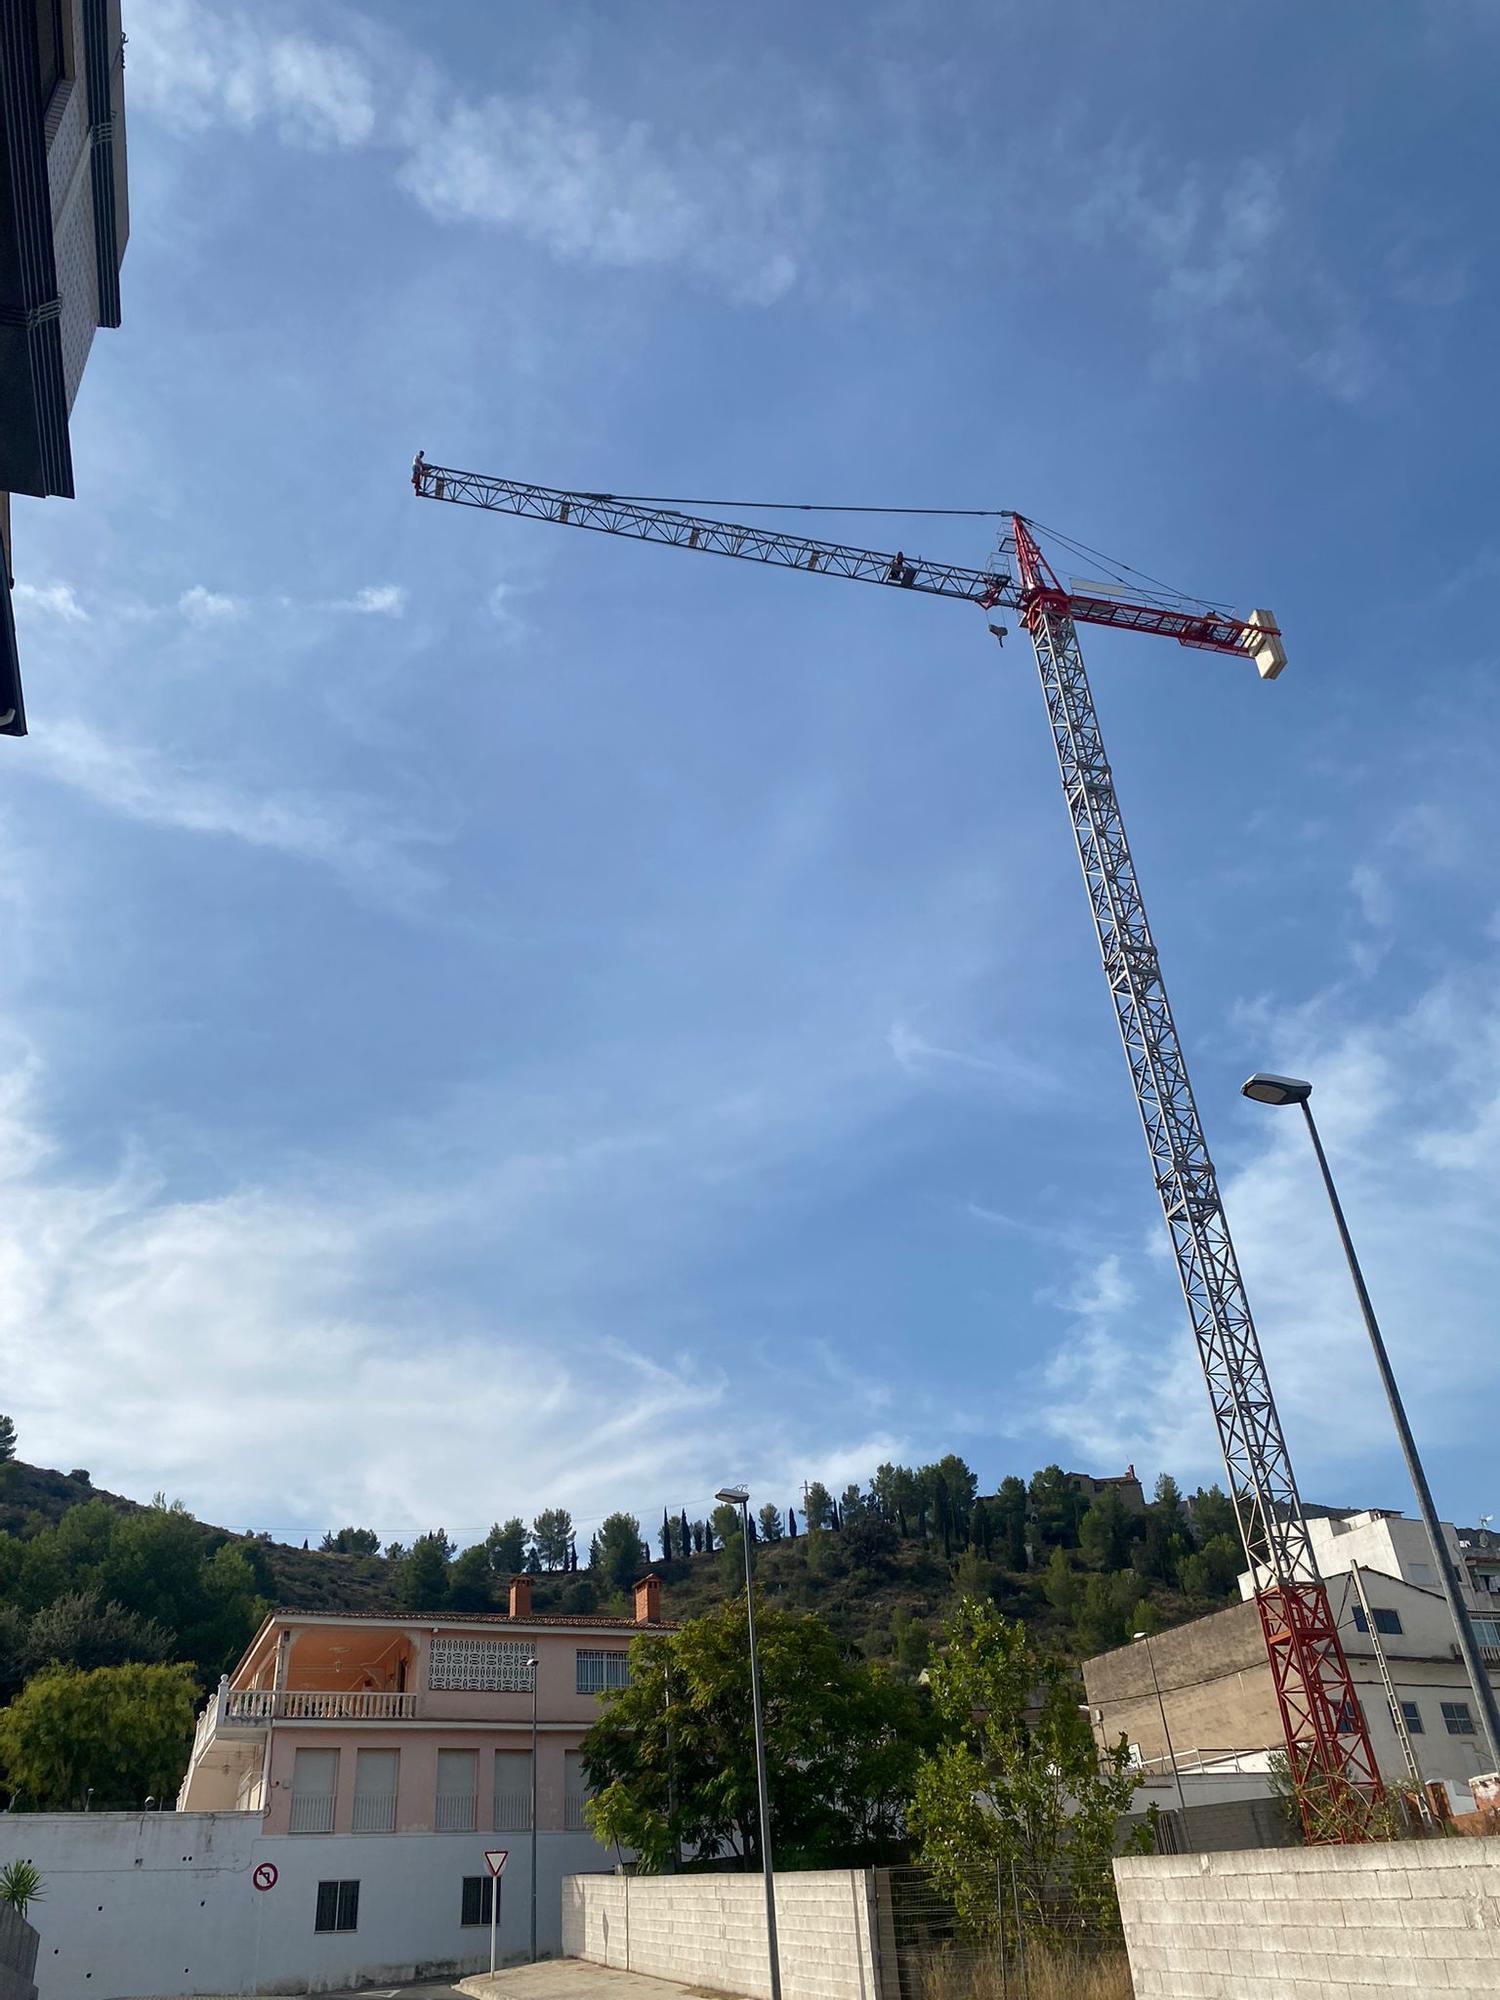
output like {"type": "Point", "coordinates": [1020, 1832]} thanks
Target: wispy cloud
{"type": "Point", "coordinates": [352, 837]}
{"type": "Point", "coordinates": [53, 600]}
{"type": "Point", "coordinates": [375, 600]}
{"type": "Point", "coordinates": [201, 606]}
{"type": "Point", "coordinates": [584, 183]}
{"type": "Point", "coordinates": [193, 66]}
{"type": "Point", "coordinates": [917, 1055]}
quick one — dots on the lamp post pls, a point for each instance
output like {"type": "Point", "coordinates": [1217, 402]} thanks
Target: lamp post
{"type": "Point", "coordinates": [1268, 1089]}
{"type": "Point", "coordinates": [738, 1496]}
{"type": "Point", "coordinates": [532, 1664]}
{"type": "Point", "coordinates": [1144, 1638]}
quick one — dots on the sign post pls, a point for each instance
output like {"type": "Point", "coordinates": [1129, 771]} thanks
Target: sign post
{"type": "Point", "coordinates": [495, 1859]}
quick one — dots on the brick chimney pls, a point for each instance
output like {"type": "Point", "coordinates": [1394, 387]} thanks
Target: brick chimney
{"type": "Point", "coordinates": [648, 1601]}
{"type": "Point", "coordinates": [520, 1597]}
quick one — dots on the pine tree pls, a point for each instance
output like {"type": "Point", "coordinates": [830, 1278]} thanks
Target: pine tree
{"type": "Point", "coordinates": [7, 1440]}
{"type": "Point", "coordinates": [791, 1524]}
{"type": "Point", "coordinates": [666, 1537]}
{"type": "Point", "coordinates": [686, 1532]}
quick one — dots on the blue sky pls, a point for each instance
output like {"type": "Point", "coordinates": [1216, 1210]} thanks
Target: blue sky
{"type": "Point", "coordinates": [499, 1018]}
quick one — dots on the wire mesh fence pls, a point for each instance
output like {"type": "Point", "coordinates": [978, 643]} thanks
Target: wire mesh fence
{"type": "Point", "coordinates": [1006, 1937]}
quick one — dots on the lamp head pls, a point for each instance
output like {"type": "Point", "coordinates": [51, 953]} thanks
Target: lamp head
{"type": "Point", "coordinates": [733, 1496]}
{"type": "Point", "coordinates": [1268, 1089]}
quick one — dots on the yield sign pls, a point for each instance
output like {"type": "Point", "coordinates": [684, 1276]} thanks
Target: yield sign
{"type": "Point", "coordinates": [495, 1859]}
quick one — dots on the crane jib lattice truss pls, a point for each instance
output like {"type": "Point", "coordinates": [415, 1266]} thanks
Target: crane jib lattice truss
{"type": "Point", "coordinates": [1332, 1764]}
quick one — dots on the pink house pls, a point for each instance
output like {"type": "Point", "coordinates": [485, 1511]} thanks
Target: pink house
{"type": "Point", "coordinates": [368, 1723]}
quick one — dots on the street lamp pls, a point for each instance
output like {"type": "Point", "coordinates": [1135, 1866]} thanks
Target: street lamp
{"type": "Point", "coordinates": [738, 1496]}
{"type": "Point", "coordinates": [1161, 1709]}
{"type": "Point", "coordinates": [1267, 1089]}
{"type": "Point", "coordinates": [532, 1665]}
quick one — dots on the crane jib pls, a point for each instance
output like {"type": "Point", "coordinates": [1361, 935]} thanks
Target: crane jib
{"type": "Point", "coordinates": [605, 514]}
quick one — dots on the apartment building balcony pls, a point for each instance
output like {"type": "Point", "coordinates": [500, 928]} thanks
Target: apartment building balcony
{"type": "Point", "coordinates": [249, 1712]}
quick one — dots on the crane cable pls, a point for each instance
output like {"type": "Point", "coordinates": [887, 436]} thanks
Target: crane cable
{"type": "Point", "coordinates": [1119, 571]}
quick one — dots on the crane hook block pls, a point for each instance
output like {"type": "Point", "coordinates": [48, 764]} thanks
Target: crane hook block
{"type": "Point", "coordinates": [1262, 641]}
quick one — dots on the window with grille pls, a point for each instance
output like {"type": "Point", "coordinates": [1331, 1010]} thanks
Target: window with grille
{"type": "Point", "coordinates": [512, 1791]}
{"type": "Point", "coordinates": [1487, 1631]}
{"type": "Point", "coordinates": [479, 1899]}
{"type": "Point", "coordinates": [1457, 1719]}
{"type": "Point", "coordinates": [1385, 1620]}
{"type": "Point", "coordinates": [480, 1666]}
{"type": "Point", "coordinates": [338, 1907]}
{"type": "Point", "coordinates": [598, 1670]}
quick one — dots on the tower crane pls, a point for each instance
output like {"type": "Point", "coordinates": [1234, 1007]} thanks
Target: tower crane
{"type": "Point", "coordinates": [1332, 1764]}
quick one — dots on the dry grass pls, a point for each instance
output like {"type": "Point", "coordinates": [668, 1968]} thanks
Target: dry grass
{"type": "Point", "coordinates": [1048, 1975]}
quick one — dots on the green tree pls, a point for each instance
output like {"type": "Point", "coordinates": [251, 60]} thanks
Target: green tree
{"type": "Point", "coordinates": [552, 1536]}
{"type": "Point", "coordinates": [471, 1580]}
{"type": "Point", "coordinates": [869, 1542]}
{"type": "Point", "coordinates": [78, 1631]}
{"type": "Point", "coordinates": [1167, 1537]}
{"type": "Point", "coordinates": [981, 1530]}
{"type": "Point", "coordinates": [1212, 1513]}
{"type": "Point", "coordinates": [422, 1581]}
{"type": "Point", "coordinates": [1010, 1520]}
{"type": "Point", "coordinates": [817, 1507]}
{"type": "Point", "coordinates": [122, 1733]}
{"type": "Point", "coordinates": [771, 1529]}
{"type": "Point", "coordinates": [1056, 1505]}
{"type": "Point", "coordinates": [506, 1544]}
{"type": "Point", "coordinates": [1061, 1582]}
{"type": "Point", "coordinates": [1214, 1570]}
{"type": "Point", "coordinates": [672, 1759]}
{"type": "Point", "coordinates": [352, 1542]}
{"type": "Point", "coordinates": [1018, 1781]}
{"type": "Point", "coordinates": [7, 1440]}
{"type": "Point", "coordinates": [1106, 1531]}
{"type": "Point", "coordinates": [621, 1557]}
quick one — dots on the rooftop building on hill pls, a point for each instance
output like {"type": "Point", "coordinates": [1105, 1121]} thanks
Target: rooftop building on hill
{"type": "Point", "coordinates": [63, 224]}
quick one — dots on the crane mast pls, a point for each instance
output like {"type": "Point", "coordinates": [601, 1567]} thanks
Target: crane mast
{"type": "Point", "coordinates": [1332, 1764]}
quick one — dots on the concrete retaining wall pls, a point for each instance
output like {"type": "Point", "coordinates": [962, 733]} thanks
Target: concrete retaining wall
{"type": "Point", "coordinates": [1315, 1923]}
{"type": "Point", "coordinates": [18, 1942]}
{"type": "Point", "coordinates": [166, 1903]}
{"type": "Point", "coordinates": [710, 1930]}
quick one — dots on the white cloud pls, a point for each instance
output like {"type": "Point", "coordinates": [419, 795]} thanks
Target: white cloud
{"type": "Point", "coordinates": [355, 840]}
{"type": "Point", "coordinates": [194, 66]}
{"type": "Point", "coordinates": [53, 600]}
{"type": "Point", "coordinates": [201, 606]}
{"type": "Point", "coordinates": [1409, 1109]}
{"type": "Point", "coordinates": [375, 600]}
{"type": "Point", "coordinates": [590, 187]}
{"type": "Point", "coordinates": [913, 1052]}
{"type": "Point", "coordinates": [586, 185]}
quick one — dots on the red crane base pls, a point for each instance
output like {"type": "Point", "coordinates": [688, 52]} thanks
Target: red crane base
{"type": "Point", "coordinates": [1333, 1768]}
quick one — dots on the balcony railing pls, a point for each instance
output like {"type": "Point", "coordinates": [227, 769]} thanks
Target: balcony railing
{"type": "Point", "coordinates": [573, 1818]}
{"type": "Point", "coordinates": [312, 1812]}
{"type": "Point", "coordinates": [512, 1812]}
{"type": "Point", "coordinates": [455, 1813]}
{"type": "Point", "coordinates": [318, 1705]}
{"type": "Point", "coordinates": [374, 1812]}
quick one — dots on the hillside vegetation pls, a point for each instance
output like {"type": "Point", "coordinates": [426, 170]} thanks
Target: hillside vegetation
{"type": "Point", "coordinates": [91, 1578]}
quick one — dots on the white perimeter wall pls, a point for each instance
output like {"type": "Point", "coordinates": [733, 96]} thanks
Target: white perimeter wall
{"type": "Point", "coordinates": [163, 1903]}
{"type": "Point", "coordinates": [710, 1930]}
{"type": "Point", "coordinates": [1316, 1923]}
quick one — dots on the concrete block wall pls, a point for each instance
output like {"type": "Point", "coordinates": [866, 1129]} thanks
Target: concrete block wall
{"type": "Point", "coordinates": [710, 1930]}
{"type": "Point", "coordinates": [18, 1943]}
{"type": "Point", "coordinates": [1315, 1923]}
